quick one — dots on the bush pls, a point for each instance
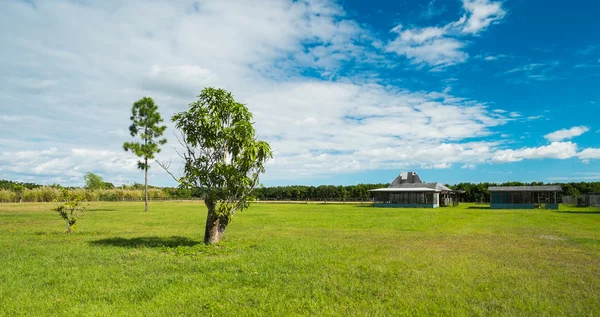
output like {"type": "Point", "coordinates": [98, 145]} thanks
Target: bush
{"type": "Point", "coordinates": [7, 196]}
{"type": "Point", "coordinates": [70, 209]}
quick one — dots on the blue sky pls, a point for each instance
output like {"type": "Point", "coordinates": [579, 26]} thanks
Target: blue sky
{"type": "Point", "coordinates": [345, 91]}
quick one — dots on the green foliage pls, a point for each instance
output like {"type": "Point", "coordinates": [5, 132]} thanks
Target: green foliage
{"type": "Point", "coordinates": [70, 209]}
{"type": "Point", "coordinates": [8, 196]}
{"type": "Point", "coordinates": [223, 158]}
{"type": "Point", "coordinates": [145, 122]}
{"type": "Point", "coordinates": [93, 181]}
{"type": "Point", "coordinates": [108, 185]}
{"type": "Point", "coordinates": [11, 185]}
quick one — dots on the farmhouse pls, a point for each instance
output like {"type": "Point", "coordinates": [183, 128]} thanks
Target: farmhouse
{"type": "Point", "coordinates": [524, 197]}
{"type": "Point", "coordinates": [407, 190]}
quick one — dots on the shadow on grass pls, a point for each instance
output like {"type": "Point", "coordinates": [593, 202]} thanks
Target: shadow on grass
{"type": "Point", "coordinates": [590, 212]}
{"type": "Point", "coordinates": [102, 209]}
{"type": "Point", "coordinates": [479, 207]}
{"type": "Point", "coordinates": [364, 206]}
{"type": "Point", "coordinates": [146, 242]}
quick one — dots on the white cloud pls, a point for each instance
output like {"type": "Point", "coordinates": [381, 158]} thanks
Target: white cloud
{"type": "Point", "coordinates": [443, 46]}
{"type": "Point", "coordinates": [555, 150]}
{"type": "Point", "coordinates": [490, 58]}
{"type": "Point", "coordinates": [566, 134]}
{"type": "Point", "coordinates": [427, 46]}
{"type": "Point", "coordinates": [469, 166]}
{"type": "Point", "coordinates": [531, 118]}
{"type": "Point", "coordinates": [480, 14]}
{"type": "Point", "coordinates": [590, 153]}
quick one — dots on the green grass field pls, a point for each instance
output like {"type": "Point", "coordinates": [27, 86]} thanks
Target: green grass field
{"type": "Point", "coordinates": [287, 260]}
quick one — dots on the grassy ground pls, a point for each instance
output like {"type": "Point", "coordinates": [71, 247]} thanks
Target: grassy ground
{"type": "Point", "coordinates": [288, 260]}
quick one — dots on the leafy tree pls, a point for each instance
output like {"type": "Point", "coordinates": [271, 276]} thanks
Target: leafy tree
{"type": "Point", "coordinates": [70, 209]}
{"type": "Point", "coordinates": [145, 121]}
{"type": "Point", "coordinates": [223, 157]}
{"type": "Point", "coordinates": [93, 181]}
{"type": "Point", "coordinates": [108, 185]}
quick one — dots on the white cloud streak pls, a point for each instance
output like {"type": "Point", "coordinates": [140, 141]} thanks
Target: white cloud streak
{"type": "Point", "coordinates": [566, 134]}
{"type": "Point", "coordinates": [555, 150]}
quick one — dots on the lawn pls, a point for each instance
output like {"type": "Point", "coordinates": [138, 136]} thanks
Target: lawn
{"type": "Point", "coordinates": [293, 260]}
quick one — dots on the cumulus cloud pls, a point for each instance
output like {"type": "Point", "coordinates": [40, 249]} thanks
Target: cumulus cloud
{"type": "Point", "coordinates": [67, 166]}
{"type": "Point", "coordinates": [444, 46]}
{"type": "Point", "coordinates": [427, 45]}
{"type": "Point", "coordinates": [590, 153]}
{"type": "Point", "coordinates": [480, 14]}
{"type": "Point", "coordinates": [555, 150]}
{"type": "Point", "coordinates": [566, 134]}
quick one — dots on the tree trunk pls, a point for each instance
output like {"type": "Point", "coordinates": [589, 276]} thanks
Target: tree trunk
{"type": "Point", "coordinates": [68, 228]}
{"type": "Point", "coordinates": [215, 225]}
{"type": "Point", "coordinates": [146, 185]}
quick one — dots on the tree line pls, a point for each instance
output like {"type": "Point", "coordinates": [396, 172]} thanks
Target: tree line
{"type": "Point", "coordinates": [473, 192]}
{"type": "Point", "coordinates": [11, 191]}
{"type": "Point", "coordinates": [478, 192]}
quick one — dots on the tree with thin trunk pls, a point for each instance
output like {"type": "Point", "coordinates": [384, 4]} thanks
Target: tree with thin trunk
{"type": "Point", "coordinates": [222, 156]}
{"type": "Point", "coordinates": [145, 122]}
{"type": "Point", "coordinates": [93, 181]}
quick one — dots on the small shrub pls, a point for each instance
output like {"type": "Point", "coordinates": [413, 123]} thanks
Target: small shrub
{"type": "Point", "coordinates": [70, 209]}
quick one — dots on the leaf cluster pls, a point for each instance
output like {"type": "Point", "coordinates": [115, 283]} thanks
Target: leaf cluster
{"type": "Point", "coordinates": [222, 155]}
{"type": "Point", "coordinates": [70, 209]}
{"type": "Point", "coordinates": [93, 181]}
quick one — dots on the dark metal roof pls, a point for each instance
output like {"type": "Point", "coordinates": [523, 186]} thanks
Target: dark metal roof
{"type": "Point", "coordinates": [547, 188]}
{"type": "Point", "coordinates": [436, 186]}
{"type": "Point", "coordinates": [415, 187]}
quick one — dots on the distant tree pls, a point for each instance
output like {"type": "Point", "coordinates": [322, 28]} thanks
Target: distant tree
{"type": "Point", "coordinates": [145, 122]}
{"type": "Point", "coordinates": [70, 209]}
{"type": "Point", "coordinates": [19, 189]}
{"type": "Point", "coordinates": [223, 157]}
{"type": "Point", "coordinates": [93, 181]}
{"type": "Point", "coordinates": [108, 185]}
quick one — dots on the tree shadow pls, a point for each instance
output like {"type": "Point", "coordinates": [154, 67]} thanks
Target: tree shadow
{"type": "Point", "coordinates": [102, 209]}
{"type": "Point", "coordinates": [479, 207]}
{"type": "Point", "coordinates": [146, 242]}
{"type": "Point", "coordinates": [591, 212]}
{"type": "Point", "coordinates": [364, 205]}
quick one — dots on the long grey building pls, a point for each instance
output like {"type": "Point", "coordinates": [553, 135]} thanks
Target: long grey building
{"type": "Point", "coordinates": [524, 197]}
